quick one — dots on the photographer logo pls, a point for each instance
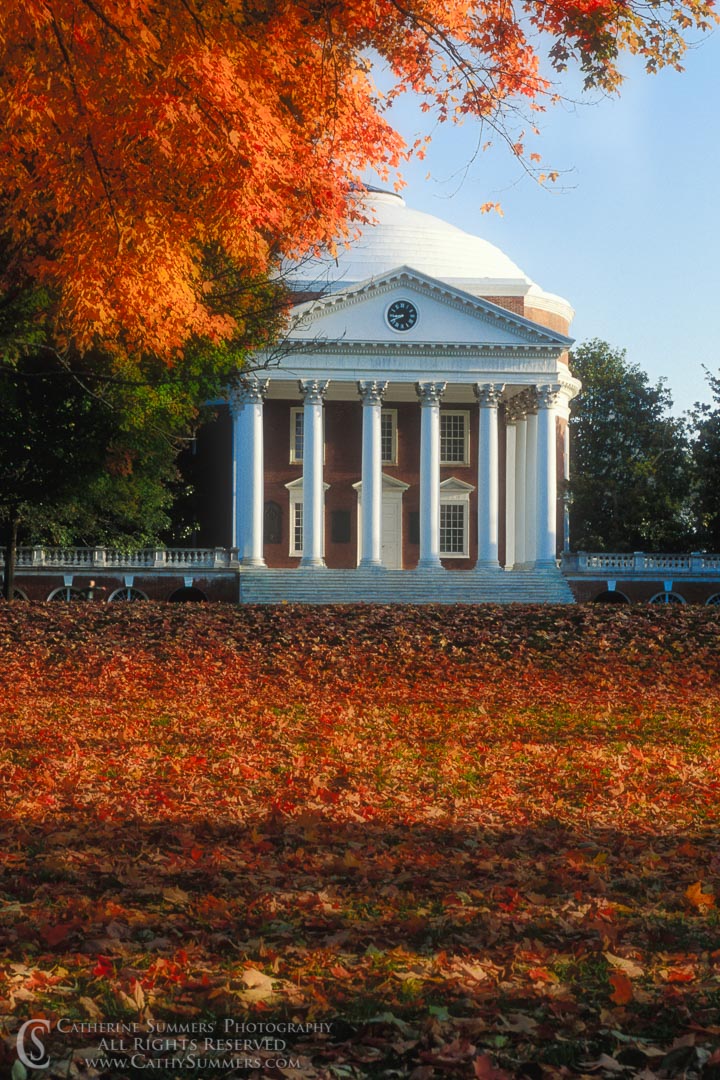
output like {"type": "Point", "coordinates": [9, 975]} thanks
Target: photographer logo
{"type": "Point", "coordinates": [30, 1047]}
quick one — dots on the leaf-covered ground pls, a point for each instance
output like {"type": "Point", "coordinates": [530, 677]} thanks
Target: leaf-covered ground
{"type": "Point", "coordinates": [475, 842]}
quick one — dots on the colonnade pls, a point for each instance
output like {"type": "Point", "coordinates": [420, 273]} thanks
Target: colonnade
{"type": "Point", "coordinates": [530, 473]}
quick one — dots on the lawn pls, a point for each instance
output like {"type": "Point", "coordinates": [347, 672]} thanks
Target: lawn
{"type": "Point", "coordinates": [360, 842]}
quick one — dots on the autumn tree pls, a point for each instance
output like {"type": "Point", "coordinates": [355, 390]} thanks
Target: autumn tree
{"type": "Point", "coordinates": [138, 137]}
{"type": "Point", "coordinates": [631, 468]}
{"type": "Point", "coordinates": [89, 443]}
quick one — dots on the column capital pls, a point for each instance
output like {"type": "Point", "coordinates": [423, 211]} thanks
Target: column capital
{"type": "Point", "coordinates": [548, 395]}
{"type": "Point", "coordinates": [529, 400]}
{"type": "Point", "coordinates": [515, 410]}
{"type": "Point", "coordinates": [248, 391]}
{"type": "Point", "coordinates": [313, 390]}
{"type": "Point", "coordinates": [489, 394]}
{"type": "Point", "coordinates": [430, 393]}
{"type": "Point", "coordinates": [372, 392]}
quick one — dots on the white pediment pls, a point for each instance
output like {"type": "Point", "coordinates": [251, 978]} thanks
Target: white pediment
{"type": "Point", "coordinates": [443, 314]}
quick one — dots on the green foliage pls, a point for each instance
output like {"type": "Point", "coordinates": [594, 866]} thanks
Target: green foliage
{"type": "Point", "coordinates": [705, 420]}
{"type": "Point", "coordinates": [89, 443]}
{"type": "Point", "coordinates": [631, 466]}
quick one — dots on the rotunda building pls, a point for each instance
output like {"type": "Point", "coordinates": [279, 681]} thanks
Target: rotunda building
{"type": "Point", "coordinates": [410, 443]}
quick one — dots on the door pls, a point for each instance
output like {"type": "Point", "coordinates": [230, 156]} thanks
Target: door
{"type": "Point", "coordinates": [391, 524]}
{"type": "Point", "coordinates": [392, 531]}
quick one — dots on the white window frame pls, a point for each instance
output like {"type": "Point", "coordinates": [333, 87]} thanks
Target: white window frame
{"type": "Point", "coordinates": [466, 430]}
{"type": "Point", "coordinates": [295, 505]}
{"type": "Point", "coordinates": [392, 413]}
{"type": "Point", "coordinates": [295, 411]}
{"type": "Point", "coordinates": [295, 490]}
{"type": "Point", "coordinates": [454, 492]}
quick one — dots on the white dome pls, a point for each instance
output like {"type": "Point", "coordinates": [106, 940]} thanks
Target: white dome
{"type": "Point", "coordinates": [399, 236]}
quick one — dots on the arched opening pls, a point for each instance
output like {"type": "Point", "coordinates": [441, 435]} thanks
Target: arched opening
{"type": "Point", "coordinates": [66, 595]}
{"type": "Point", "coordinates": [611, 596]}
{"type": "Point", "coordinates": [667, 598]}
{"type": "Point", "coordinates": [712, 600]}
{"type": "Point", "coordinates": [127, 593]}
{"type": "Point", "coordinates": [187, 595]}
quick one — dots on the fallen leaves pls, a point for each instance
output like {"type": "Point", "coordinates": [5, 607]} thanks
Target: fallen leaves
{"type": "Point", "coordinates": [492, 838]}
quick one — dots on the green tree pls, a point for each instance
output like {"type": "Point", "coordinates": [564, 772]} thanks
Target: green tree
{"type": "Point", "coordinates": [89, 444]}
{"type": "Point", "coordinates": [631, 467]}
{"type": "Point", "coordinates": [705, 420]}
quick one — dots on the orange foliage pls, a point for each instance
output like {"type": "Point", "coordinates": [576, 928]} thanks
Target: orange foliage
{"type": "Point", "coordinates": [137, 136]}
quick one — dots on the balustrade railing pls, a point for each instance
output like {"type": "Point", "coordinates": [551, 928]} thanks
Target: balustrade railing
{"type": "Point", "coordinates": [102, 558]}
{"type": "Point", "coordinates": [601, 563]}
{"type": "Point", "coordinates": [630, 563]}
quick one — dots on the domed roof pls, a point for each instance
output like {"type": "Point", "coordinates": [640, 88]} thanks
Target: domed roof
{"type": "Point", "coordinates": [398, 236]}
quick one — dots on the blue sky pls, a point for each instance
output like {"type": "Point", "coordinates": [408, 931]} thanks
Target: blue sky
{"type": "Point", "coordinates": [630, 235]}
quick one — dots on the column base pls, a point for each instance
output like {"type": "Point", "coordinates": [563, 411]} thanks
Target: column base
{"type": "Point", "coordinates": [370, 564]}
{"type": "Point", "coordinates": [430, 564]}
{"type": "Point", "coordinates": [253, 563]}
{"type": "Point", "coordinates": [312, 563]}
{"type": "Point", "coordinates": [546, 564]}
{"type": "Point", "coordinates": [488, 564]}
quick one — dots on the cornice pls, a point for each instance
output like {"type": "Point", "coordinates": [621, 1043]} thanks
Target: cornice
{"type": "Point", "coordinates": [429, 348]}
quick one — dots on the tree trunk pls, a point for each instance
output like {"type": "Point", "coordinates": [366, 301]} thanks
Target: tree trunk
{"type": "Point", "coordinates": [10, 558]}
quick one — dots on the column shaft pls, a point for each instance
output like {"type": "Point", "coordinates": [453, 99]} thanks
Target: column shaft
{"type": "Point", "coordinates": [238, 473]}
{"type": "Point", "coordinates": [531, 476]}
{"type": "Point", "coordinates": [371, 497]}
{"type": "Point", "coordinates": [547, 477]}
{"type": "Point", "coordinates": [430, 395]}
{"type": "Point", "coordinates": [313, 487]}
{"type": "Point", "coordinates": [248, 469]}
{"type": "Point", "coordinates": [520, 490]}
{"type": "Point", "coordinates": [510, 474]}
{"type": "Point", "coordinates": [488, 395]}
{"type": "Point", "coordinates": [566, 493]}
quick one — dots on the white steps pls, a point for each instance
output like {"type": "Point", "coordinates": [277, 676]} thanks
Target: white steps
{"type": "Point", "coordinates": [322, 586]}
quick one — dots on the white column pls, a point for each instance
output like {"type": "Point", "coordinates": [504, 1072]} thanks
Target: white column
{"type": "Point", "coordinates": [430, 395]}
{"type": "Point", "coordinates": [548, 395]}
{"type": "Point", "coordinates": [520, 483]}
{"type": "Point", "coordinates": [488, 395]}
{"type": "Point", "coordinates": [566, 493]}
{"type": "Point", "coordinates": [237, 407]}
{"type": "Point", "coordinates": [510, 478]}
{"type": "Point", "coordinates": [372, 394]}
{"type": "Point", "coordinates": [313, 393]}
{"type": "Point", "coordinates": [531, 474]}
{"type": "Point", "coordinates": [249, 471]}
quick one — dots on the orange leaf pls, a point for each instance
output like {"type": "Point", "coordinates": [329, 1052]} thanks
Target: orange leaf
{"type": "Point", "coordinates": [699, 899]}
{"type": "Point", "coordinates": [622, 988]}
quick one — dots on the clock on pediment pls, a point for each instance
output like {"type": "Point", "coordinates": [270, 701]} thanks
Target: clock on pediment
{"type": "Point", "coordinates": [401, 315]}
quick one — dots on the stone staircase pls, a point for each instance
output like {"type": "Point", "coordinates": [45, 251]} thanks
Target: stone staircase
{"type": "Point", "coordinates": [547, 586]}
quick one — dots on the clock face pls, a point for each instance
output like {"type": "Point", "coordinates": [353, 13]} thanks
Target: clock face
{"type": "Point", "coordinates": [402, 315]}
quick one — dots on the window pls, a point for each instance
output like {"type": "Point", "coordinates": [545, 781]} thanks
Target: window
{"type": "Point", "coordinates": [296, 528]}
{"type": "Point", "coordinates": [297, 434]}
{"type": "Point", "coordinates": [388, 436]}
{"type": "Point", "coordinates": [455, 519]}
{"type": "Point", "coordinates": [454, 438]}
{"type": "Point", "coordinates": [295, 491]}
{"type": "Point", "coordinates": [452, 529]}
